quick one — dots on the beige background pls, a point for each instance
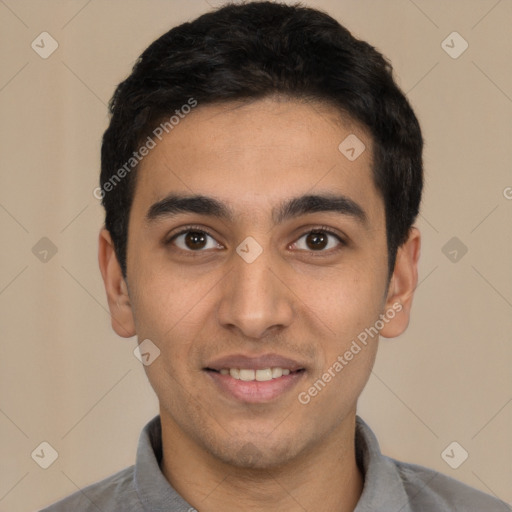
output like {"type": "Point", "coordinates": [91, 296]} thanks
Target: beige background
{"type": "Point", "coordinates": [67, 379]}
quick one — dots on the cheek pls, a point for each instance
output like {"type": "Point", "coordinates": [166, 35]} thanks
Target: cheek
{"type": "Point", "coordinates": [347, 305]}
{"type": "Point", "coordinates": [333, 392]}
{"type": "Point", "coordinates": [166, 301]}
{"type": "Point", "coordinates": [345, 299]}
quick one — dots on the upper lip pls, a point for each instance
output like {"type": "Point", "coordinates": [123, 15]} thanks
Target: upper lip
{"type": "Point", "coordinates": [254, 362]}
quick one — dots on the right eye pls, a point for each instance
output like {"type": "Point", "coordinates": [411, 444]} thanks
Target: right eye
{"type": "Point", "coordinates": [194, 240]}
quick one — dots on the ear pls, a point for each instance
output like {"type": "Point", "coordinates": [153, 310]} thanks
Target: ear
{"type": "Point", "coordinates": [402, 286]}
{"type": "Point", "coordinates": [115, 286]}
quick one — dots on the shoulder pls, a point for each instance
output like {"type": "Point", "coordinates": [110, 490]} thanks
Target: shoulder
{"type": "Point", "coordinates": [106, 495]}
{"type": "Point", "coordinates": [429, 490]}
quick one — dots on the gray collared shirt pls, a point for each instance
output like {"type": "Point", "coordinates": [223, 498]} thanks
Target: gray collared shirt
{"type": "Point", "coordinates": [389, 485]}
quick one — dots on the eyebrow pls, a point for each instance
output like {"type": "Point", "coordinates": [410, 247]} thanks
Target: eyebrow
{"type": "Point", "coordinates": [175, 204]}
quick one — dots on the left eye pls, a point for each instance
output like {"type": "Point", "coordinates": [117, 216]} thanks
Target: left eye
{"type": "Point", "coordinates": [318, 241]}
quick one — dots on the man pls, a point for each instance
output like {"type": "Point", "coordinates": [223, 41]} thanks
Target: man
{"type": "Point", "coordinates": [261, 176]}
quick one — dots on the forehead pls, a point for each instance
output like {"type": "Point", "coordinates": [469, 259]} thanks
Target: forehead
{"type": "Point", "coordinates": [252, 155]}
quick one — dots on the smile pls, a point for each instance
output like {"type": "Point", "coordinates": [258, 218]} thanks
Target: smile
{"type": "Point", "coordinates": [255, 386]}
{"type": "Point", "coordinates": [261, 375]}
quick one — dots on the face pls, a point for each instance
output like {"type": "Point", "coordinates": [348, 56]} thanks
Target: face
{"type": "Point", "coordinates": [256, 257]}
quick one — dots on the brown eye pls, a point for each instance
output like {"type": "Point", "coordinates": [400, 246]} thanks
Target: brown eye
{"type": "Point", "coordinates": [319, 241]}
{"type": "Point", "coordinates": [194, 240]}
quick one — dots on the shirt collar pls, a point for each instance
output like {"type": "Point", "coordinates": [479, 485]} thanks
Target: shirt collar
{"type": "Point", "coordinates": [383, 489]}
{"type": "Point", "coordinates": [155, 492]}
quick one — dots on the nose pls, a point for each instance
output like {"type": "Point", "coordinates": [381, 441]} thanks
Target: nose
{"type": "Point", "coordinates": [255, 298]}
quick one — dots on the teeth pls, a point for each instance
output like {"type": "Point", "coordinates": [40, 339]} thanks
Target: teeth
{"type": "Point", "coordinates": [277, 372]}
{"type": "Point", "coordinates": [249, 375]}
{"type": "Point", "coordinates": [263, 375]}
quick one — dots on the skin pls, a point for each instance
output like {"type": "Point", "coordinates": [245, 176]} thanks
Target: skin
{"type": "Point", "coordinates": [304, 303]}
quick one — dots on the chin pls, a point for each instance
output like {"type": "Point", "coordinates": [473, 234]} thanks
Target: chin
{"type": "Point", "coordinates": [258, 454]}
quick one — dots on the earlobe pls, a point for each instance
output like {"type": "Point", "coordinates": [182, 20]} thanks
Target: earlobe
{"type": "Point", "coordinates": [402, 285]}
{"type": "Point", "coordinates": [115, 287]}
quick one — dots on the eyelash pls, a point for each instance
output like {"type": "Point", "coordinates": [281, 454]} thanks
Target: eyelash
{"type": "Point", "coordinates": [320, 229]}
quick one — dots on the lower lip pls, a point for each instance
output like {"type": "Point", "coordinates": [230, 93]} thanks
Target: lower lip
{"type": "Point", "coordinates": [255, 391]}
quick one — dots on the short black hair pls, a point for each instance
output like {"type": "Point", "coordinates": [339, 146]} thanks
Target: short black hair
{"type": "Point", "coordinates": [243, 52]}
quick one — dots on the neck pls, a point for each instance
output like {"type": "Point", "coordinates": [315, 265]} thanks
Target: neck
{"type": "Point", "coordinates": [325, 478]}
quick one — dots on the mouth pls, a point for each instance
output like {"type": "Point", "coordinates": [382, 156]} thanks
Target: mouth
{"type": "Point", "coordinates": [255, 379]}
{"type": "Point", "coordinates": [259, 374]}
